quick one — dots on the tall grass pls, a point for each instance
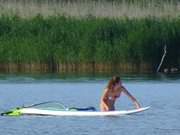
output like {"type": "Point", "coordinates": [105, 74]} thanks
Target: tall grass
{"type": "Point", "coordinates": [58, 39]}
{"type": "Point", "coordinates": [98, 8]}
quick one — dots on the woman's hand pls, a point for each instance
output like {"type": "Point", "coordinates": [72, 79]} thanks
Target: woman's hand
{"type": "Point", "coordinates": [137, 104]}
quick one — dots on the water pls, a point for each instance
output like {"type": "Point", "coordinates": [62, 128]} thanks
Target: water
{"type": "Point", "coordinates": [161, 92]}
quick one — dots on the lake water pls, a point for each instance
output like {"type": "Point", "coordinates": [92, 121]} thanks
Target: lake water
{"type": "Point", "coordinates": [161, 92]}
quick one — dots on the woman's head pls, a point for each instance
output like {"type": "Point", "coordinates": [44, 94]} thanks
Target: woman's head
{"type": "Point", "coordinates": [114, 80]}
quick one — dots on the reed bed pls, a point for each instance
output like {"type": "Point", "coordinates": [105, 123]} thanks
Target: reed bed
{"type": "Point", "coordinates": [88, 35]}
{"type": "Point", "coordinates": [97, 8]}
{"type": "Point", "coordinates": [59, 41]}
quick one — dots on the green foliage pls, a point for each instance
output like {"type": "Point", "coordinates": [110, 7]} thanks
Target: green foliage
{"type": "Point", "coordinates": [61, 39]}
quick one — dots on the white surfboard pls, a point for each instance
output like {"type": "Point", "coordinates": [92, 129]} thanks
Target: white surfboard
{"type": "Point", "coordinates": [34, 111]}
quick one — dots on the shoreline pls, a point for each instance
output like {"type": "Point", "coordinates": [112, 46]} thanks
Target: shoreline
{"type": "Point", "coordinates": [75, 68]}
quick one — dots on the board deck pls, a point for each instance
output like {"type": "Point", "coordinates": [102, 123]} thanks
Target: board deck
{"type": "Point", "coordinates": [34, 111]}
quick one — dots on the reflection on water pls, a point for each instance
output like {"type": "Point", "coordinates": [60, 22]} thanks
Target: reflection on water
{"type": "Point", "coordinates": [161, 92]}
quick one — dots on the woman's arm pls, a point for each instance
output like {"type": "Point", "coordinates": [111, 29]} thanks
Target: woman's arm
{"type": "Point", "coordinates": [136, 103]}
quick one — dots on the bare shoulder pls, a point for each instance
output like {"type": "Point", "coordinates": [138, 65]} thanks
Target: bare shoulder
{"type": "Point", "coordinates": [106, 89]}
{"type": "Point", "coordinates": [123, 89]}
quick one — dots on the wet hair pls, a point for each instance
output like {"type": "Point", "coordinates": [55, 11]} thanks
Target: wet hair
{"type": "Point", "coordinates": [113, 81]}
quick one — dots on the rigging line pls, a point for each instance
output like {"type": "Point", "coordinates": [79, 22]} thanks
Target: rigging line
{"type": "Point", "coordinates": [44, 103]}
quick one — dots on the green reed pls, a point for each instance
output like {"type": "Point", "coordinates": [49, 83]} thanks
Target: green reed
{"type": "Point", "coordinates": [59, 39]}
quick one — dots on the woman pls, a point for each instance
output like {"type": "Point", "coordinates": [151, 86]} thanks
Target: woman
{"type": "Point", "coordinates": [112, 92]}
